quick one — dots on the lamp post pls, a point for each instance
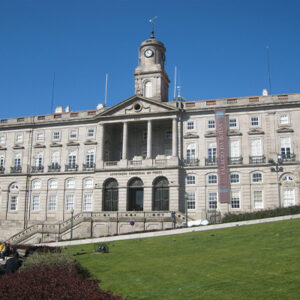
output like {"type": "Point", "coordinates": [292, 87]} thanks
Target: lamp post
{"type": "Point", "coordinates": [277, 169]}
{"type": "Point", "coordinates": [72, 213]}
{"type": "Point", "coordinates": [186, 197]}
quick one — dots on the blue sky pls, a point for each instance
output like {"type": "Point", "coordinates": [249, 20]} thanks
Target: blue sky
{"type": "Point", "coordinates": [219, 48]}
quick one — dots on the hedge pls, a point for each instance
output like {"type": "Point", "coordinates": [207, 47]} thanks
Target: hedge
{"type": "Point", "coordinates": [261, 214]}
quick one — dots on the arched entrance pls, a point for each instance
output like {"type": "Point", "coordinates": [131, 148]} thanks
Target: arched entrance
{"type": "Point", "coordinates": [160, 194]}
{"type": "Point", "coordinates": [135, 195]}
{"type": "Point", "coordinates": [110, 195]}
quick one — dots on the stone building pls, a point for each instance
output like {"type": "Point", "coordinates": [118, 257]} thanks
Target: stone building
{"type": "Point", "coordinates": [137, 165]}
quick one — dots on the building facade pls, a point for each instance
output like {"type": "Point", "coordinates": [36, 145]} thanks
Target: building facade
{"type": "Point", "coordinates": [140, 164]}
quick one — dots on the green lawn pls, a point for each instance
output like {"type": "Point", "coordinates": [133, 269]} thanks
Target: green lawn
{"type": "Point", "coordinates": [248, 262]}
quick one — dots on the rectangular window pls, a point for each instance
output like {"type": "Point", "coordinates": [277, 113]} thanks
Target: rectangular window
{"type": "Point", "coordinates": [212, 200]}
{"type": "Point", "coordinates": [254, 121]}
{"type": "Point", "coordinates": [190, 125]}
{"type": "Point", "coordinates": [40, 136]}
{"type": "Point", "coordinates": [69, 202]}
{"type": "Point", "coordinates": [91, 132]}
{"type": "Point", "coordinates": [284, 119]}
{"type": "Point", "coordinates": [234, 178]}
{"type": "Point", "coordinates": [87, 202]}
{"type": "Point", "coordinates": [13, 202]}
{"type": "Point", "coordinates": [191, 200]}
{"type": "Point", "coordinates": [212, 179]}
{"type": "Point", "coordinates": [144, 135]}
{"type": "Point", "coordinates": [73, 134]}
{"type": "Point", "coordinates": [234, 148]}
{"type": "Point", "coordinates": [90, 158]}
{"type": "Point", "coordinates": [211, 124]}
{"type": "Point", "coordinates": [258, 199]}
{"type": "Point", "coordinates": [35, 202]}
{"type": "Point", "coordinates": [56, 135]}
{"type": "Point", "coordinates": [191, 153]}
{"type": "Point", "coordinates": [1, 162]}
{"type": "Point", "coordinates": [212, 151]}
{"type": "Point", "coordinates": [19, 137]}
{"type": "Point", "coordinates": [285, 147]}
{"type": "Point", "coordinates": [235, 199]}
{"type": "Point", "coordinates": [38, 160]}
{"type": "Point", "coordinates": [190, 179]}
{"type": "Point", "coordinates": [288, 197]}
{"type": "Point", "coordinates": [17, 161]}
{"type": "Point", "coordinates": [2, 139]}
{"type": "Point", "coordinates": [52, 203]}
{"type": "Point", "coordinates": [256, 147]}
{"type": "Point", "coordinates": [72, 159]}
{"type": "Point", "coordinates": [233, 123]}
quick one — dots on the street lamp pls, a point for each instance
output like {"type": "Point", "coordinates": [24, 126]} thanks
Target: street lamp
{"type": "Point", "coordinates": [186, 197]}
{"type": "Point", "coordinates": [72, 213]}
{"type": "Point", "coordinates": [277, 169]}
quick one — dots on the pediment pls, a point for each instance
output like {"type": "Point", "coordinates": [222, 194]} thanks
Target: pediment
{"type": "Point", "coordinates": [234, 133]}
{"type": "Point", "coordinates": [210, 134]}
{"type": "Point", "coordinates": [285, 130]}
{"type": "Point", "coordinates": [191, 136]}
{"type": "Point", "coordinates": [137, 105]}
{"type": "Point", "coordinates": [255, 131]}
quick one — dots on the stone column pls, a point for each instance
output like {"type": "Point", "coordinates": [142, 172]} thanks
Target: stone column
{"type": "Point", "coordinates": [149, 139]}
{"type": "Point", "coordinates": [125, 140]}
{"type": "Point", "coordinates": [174, 137]}
{"type": "Point", "coordinates": [101, 141]}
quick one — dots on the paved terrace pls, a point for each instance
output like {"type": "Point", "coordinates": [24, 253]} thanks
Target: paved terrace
{"type": "Point", "coordinates": [168, 232]}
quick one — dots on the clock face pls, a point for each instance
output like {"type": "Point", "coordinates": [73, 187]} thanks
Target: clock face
{"type": "Point", "coordinates": [148, 53]}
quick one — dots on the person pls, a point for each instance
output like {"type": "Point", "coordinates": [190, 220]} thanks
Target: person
{"type": "Point", "coordinates": [2, 250]}
{"type": "Point", "coordinates": [13, 263]}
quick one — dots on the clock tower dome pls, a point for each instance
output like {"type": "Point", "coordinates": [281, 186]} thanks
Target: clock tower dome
{"type": "Point", "coordinates": [151, 80]}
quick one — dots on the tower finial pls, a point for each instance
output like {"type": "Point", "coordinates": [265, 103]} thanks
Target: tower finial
{"type": "Point", "coordinates": [152, 22]}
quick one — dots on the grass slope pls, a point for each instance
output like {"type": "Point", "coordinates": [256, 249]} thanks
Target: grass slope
{"type": "Point", "coordinates": [248, 262]}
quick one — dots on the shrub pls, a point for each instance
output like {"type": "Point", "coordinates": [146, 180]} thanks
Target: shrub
{"type": "Point", "coordinates": [269, 213]}
{"type": "Point", "coordinates": [51, 282]}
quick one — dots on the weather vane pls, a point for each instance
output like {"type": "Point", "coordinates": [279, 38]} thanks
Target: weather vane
{"type": "Point", "coordinates": [152, 22]}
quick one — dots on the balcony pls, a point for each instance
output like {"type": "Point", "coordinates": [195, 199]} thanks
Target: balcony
{"type": "Point", "coordinates": [16, 169]}
{"type": "Point", "coordinates": [89, 167]}
{"type": "Point", "coordinates": [2, 169]}
{"type": "Point", "coordinates": [211, 161]}
{"type": "Point", "coordinates": [135, 162]}
{"type": "Point", "coordinates": [257, 159]}
{"type": "Point", "coordinates": [235, 160]}
{"type": "Point", "coordinates": [111, 163]}
{"type": "Point", "coordinates": [191, 162]}
{"type": "Point", "coordinates": [54, 167]}
{"type": "Point", "coordinates": [288, 157]}
{"type": "Point", "coordinates": [37, 169]}
{"type": "Point", "coordinates": [71, 168]}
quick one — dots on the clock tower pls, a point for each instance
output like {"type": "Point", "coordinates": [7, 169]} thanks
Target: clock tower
{"type": "Point", "coordinates": [151, 80]}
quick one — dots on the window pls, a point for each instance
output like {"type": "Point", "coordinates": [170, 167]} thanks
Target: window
{"type": "Point", "coordinates": [285, 147]}
{"type": "Point", "coordinates": [87, 202]}
{"type": "Point", "coordinates": [256, 177]}
{"type": "Point", "coordinates": [258, 199]}
{"type": "Point", "coordinates": [90, 158]}
{"type": "Point", "coordinates": [191, 152]}
{"type": "Point", "coordinates": [288, 197]}
{"type": "Point", "coordinates": [212, 200]}
{"type": "Point", "coordinates": [88, 183]}
{"type": "Point", "coordinates": [35, 202]}
{"type": "Point", "coordinates": [234, 148]}
{"type": "Point", "coordinates": [288, 178]}
{"type": "Point", "coordinates": [40, 136]}
{"type": "Point", "coordinates": [17, 160]}
{"type": "Point", "coordinates": [211, 124]}
{"type": "Point", "coordinates": [190, 125]}
{"type": "Point", "coordinates": [256, 147]}
{"type": "Point", "coordinates": [36, 184]}
{"type": "Point", "coordinates": [38, 160]}
{"type": "Point", "coordinates": [52, 202]}
{"type": "Point", "coordinates": [212, 179]}
{"type": "Point", "coordinates": [56, 135]}
{"type": "Point", "coordinates": [212, 151]}
{"type": "Point", "coordinates": [70, 183]}
{"type": "Point", "coordinates": [233, 123]}
{"type": "Point", "coordinates": [284, 119]}
{"type": "Point", "coordinates": [148, 89]}
{"type": "Point", "coordinates": [191, 200]}
{"type": "Point", "coordinates": [72, 159]}
{"type": "Point", "coordinates": [52, 184]}
{"type": "Point", "coordinates": [69, 202]}
{"type": "Point", "coordinates": [55, 158]}
{"type": "Point", "coordinates": [235, 199]}
{"type": "Point", "coordinates": [73, 134]}
{"type": "Point", "coordinates": [254, 121]}
{"type": "Point", "coordinates": [2, 139]}
{"type": "Point", "coordinates": [144, 135]}
{"type": "Point", "coordinates": [19, 137]}
{"type": "Point", "coordinates": [190, 179]}
{"type": "Point", "coordinates": [169, 134]}
{"type": "Point", "coordinates": [234, 178]}
{"type": "Point", "coordinates": [91, 132]}
{"type": "Point", "coordinates": [13, 202]}
{"type": "Point", "coordinates": [1, 162]}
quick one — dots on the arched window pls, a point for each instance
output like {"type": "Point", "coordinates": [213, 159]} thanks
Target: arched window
{"type": "Point", "coordinates": [135, 195]}
{"type": "Point", "coordinates": [190, 179]}
{"type": "Point", "coordinates": [52, 184]}
{"type": "Point", "coordinates": [148, 89]}
{"type": "Point", "coordinates": [110, 195]}
{"type": "Point", "coordinates": [70, 184]}
{"type": "Point", "coordinates": [160, 194]}
{"type": "Point", "coordinates": [234, 178]}
{"type": "Point", "coordinates": [288, 178]}
{"type": "Point", "coordinates": [13, 196]}
{"type": "Point", "coordinates": [256, 177]}
{"type": "Point", "coordinates": [36, 184]}
{"type": "Point", "coordinates": [88, 183]}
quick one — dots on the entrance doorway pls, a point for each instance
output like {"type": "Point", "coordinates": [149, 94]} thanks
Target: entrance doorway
{"type": "Point", "coordinates": [135, 200]}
